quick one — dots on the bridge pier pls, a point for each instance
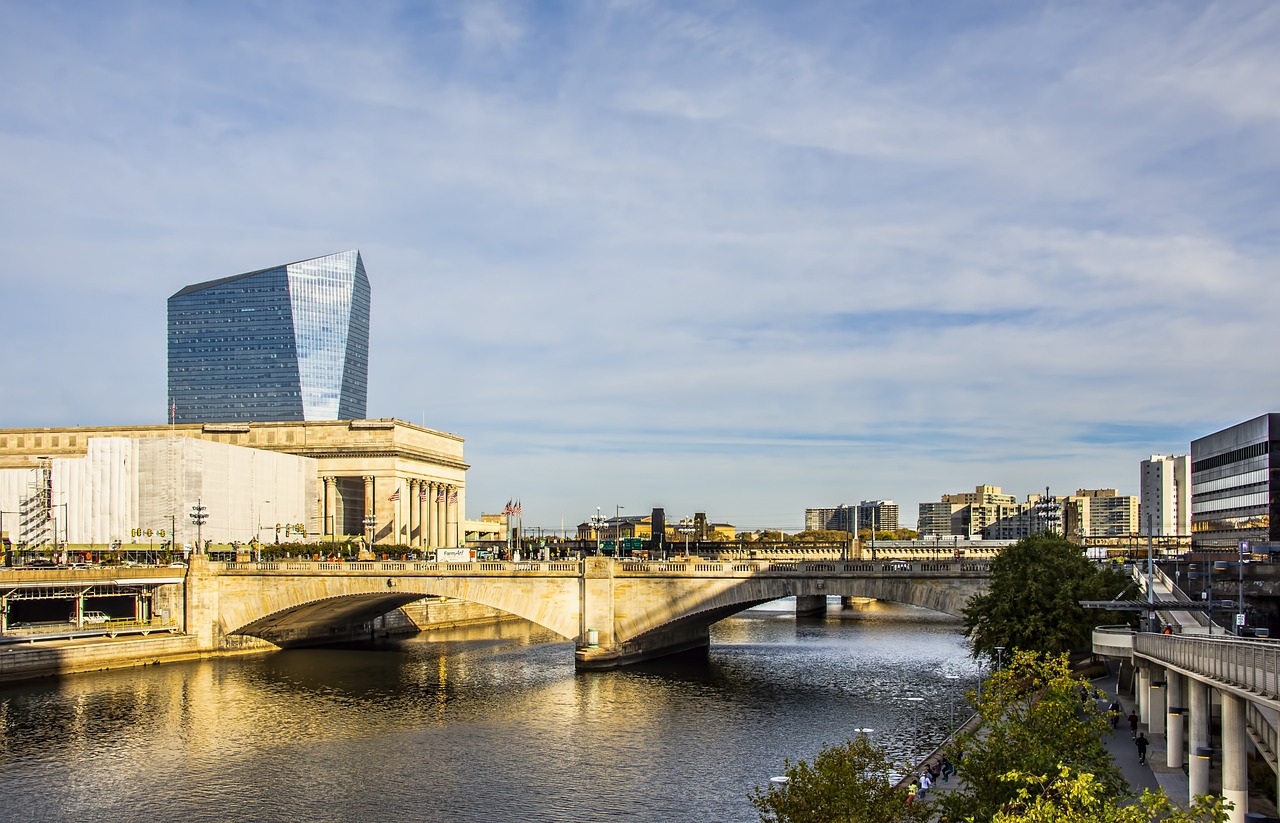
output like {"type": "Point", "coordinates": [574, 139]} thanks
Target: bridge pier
{"type": "Point", "coordinates": [678, 638]}
{"type": "Point", "coordinates": [811, 605]}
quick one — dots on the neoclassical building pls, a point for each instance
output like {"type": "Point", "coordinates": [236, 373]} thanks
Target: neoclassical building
{"type": "Point", "coordinates": [397, 482]}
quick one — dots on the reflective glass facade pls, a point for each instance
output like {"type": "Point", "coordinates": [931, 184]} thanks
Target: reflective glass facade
{"type": "Point", "coordinates": [1235, 485]}
{"type": "Point", "coordinates": [280, 344]}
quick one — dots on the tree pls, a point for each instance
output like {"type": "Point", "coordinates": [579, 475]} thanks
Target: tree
{"type": "Point", "coordinates": [849, 783]}
{"type": "Point", "coordinates": [1036, 718]}
{"type": "Point", "coordinates": [1033, 599]}
{"type": "Point", "coordinates": [1075, 797]}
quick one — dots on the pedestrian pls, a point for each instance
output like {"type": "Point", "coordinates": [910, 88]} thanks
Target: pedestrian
{"type": "Point", "coordinates": [947, 770]}
{"type": "Point", "coordinates": [911, 791]}
{"type": "Point", "coordinates": [1113, 713]}
{"type": "Point", "coordinates": [1133, 724]}
{"type": "Point", "coordinates": [1141, 742]}
{"type": "Point", "coordinates": [926, 782]}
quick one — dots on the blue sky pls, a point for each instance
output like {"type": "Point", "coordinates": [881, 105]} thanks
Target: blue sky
{"type": "Point", "coordinates": [740, 258]}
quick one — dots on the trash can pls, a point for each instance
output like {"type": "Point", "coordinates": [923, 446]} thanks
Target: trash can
{"type": "Point", "coordinates": [593, 638]}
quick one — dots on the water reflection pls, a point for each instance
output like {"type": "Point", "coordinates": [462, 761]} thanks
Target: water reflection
{"type": "Point", "coordinates": [488, 723]}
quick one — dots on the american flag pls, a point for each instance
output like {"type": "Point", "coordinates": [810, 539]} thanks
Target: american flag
{"type": "Point", "coordinates": [453, 498]}
{"type": "Point", "coordinates": [422, 493]}
{"type": "Point", "coordinates": [395, 495]}
{"type": "Point", "coordinates": [518, 508]}
{"type": "Point", "coordinates": [440, 496]}
{"type": "Point", "coordinates": [508, 509]}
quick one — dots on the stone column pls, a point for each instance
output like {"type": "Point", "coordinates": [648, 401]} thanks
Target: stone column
{"type": "Point", "coordinates": [450, 523]}
{"type": "Point", "coordinates": [1235, 775]}
{"type": "Point", "coordinates": [395, 512]}
{"type": "Point", "coordinates": [442, 497]}
{"type": "Point", "coordinates": [1197, 765]}
{"type": "Point", "coordinates": [415, 524]}
{"type": "Point", "coordinates": [428, 520]}
{"type": "Point", "coordinates": [330, 524]}
{"type": "Point", "coordinates": [365, 531]}
{"type": "Point", "coordinates": [1156, 701]}
{"type": "Point", "coordinates": [1175, 744]}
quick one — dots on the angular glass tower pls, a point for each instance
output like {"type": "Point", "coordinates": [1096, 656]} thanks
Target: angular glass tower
{"type": "Point", "coordinates": [280, 344]}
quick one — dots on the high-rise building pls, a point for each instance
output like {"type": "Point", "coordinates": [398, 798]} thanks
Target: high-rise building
{"type": "Point", "coordinates": [881, 515]}
{"type": "Point", "coordinates": [1164, 491]}
{"type": "Point", "coordinates": [839, 518]}
{"type": "Point", "coordinates": [289, 343]}
{"type": "Point", "coordinates": [1235, 485]}
{"type": "Point", "coordinates": [1099, 513]}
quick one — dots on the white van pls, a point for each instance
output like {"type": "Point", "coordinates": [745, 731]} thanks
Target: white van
{"type": "Point", "coordinates": [91, 617]}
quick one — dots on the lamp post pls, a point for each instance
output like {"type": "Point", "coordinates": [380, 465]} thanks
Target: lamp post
{"type": "Point", "coordinates": [685, 529]}
{"type": "Point", "coordinates": [999, 657]}
{"type": "Point", "coordinates": [599, 523]}
{"type": "Point", "coordinates": [369, 523]}
{"type": "Point", "coordinates": [951, 694]}
{"type": "Point", "coordinates": [199, 514]}
{"type": "Point", "coordinates": [911, 753]}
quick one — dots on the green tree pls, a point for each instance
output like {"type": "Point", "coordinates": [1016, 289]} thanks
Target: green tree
{"type": "Point", "coordinates": [849, 783]}
{"type": "Point", "coordinates": [1033, 599]}
{"type": "Point", "coordinates": [1036, 718]}
{"type": "Point", "coordinates": [1075, 797]}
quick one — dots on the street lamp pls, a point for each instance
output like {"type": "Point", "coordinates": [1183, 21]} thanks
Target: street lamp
{"type": "Point", "coordinates": [685, 529]}
{"type": "Point", "coordinates": [911, 752]}
{"type": "Point", "coordinates": [199, 514]}
{"type": "Point", "coordinates": [951, 694]}
{"type": "Point", "coordinates": [599, 523]}
{"type": "Point", "coordinates": [999, 657]}
{"type": "Point", "coordinates": [369, 523]}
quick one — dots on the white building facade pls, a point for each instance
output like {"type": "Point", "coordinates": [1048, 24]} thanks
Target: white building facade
{"type": "Point", "coordinates": [1164, 494]}
{"type": "Point", "coordinates": [125, 485]}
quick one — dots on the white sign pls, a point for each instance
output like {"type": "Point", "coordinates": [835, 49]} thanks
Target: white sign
{"type": "Point", "coordinates": [1240, 619]}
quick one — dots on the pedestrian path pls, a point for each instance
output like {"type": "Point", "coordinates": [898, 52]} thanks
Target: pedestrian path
{"type": "Point", "coordinates": [1154, 773]}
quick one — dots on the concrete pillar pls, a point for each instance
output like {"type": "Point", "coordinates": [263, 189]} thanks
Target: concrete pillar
{"type": "Point", "coordinates": [1142, 693]}
{"type": "Point", "coordinates": [423, 521]}
{"type": "Point", "coordinates": [1235, 771]}
{"type": "Point", "coordinates": [1175, 748]}
{"type": "Point", "coordinates": [1156, 701]}
{"type": "Point", "coordinates": [330, 524]}
{"type": "Point", "coordinates": [1198, 765]}
{"type": "Point", "coordinates": [396, 521]}
{"type": "Point", "coordinates": [372, 535]}
{"type": "Point", "coordinates": [811, 605]}
{"type": "Point", "coordinates": [451, 516]}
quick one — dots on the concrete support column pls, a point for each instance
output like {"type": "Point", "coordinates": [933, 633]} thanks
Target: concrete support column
{"type": "Point", "coordinates": [414, 523]}
{"type": "Point", "coordinates": [1156, 701]}
{"type": "Point", "coordinates": [1197, 765]}
{"type": "Point", "coordinates": [396, 521]}
{"type": "Point", "coordinates": [1142, 693]}
{"type": "Point", "coordinates": [423, 520]}
{"type": "Point", "coordinates": [1235, 773]}
{"type": "Point", "coordinates": [368, 510]}
{"type": "Point", "coordinates": [330, 524]}
{"type": "Point", "coordinates": [1175, 748]}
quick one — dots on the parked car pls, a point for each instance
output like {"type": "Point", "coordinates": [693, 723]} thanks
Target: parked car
{"type": "Point", "coordinates": [91, 618]}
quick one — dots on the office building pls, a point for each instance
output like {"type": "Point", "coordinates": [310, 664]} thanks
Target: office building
{"type": "Point", "coordinates": [1233, 489]}
{"type": "Point", "coordinates": [881, 515]}
{"type": "Point", "coordinates": [1164, 493]}
{"type": "Point", "coordinates": [840, 518]}
{"type": "Point", "coordinates": [1099, 513]}
{"type": "Point", "coordinates": [289, 343]}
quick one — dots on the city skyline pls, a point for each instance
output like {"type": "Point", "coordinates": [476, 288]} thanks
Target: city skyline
{"type": "Point", "coordinates": [738, 259]}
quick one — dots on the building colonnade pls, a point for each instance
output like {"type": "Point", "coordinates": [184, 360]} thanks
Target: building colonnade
{"type": "Point", "coordinates": [420, 513]}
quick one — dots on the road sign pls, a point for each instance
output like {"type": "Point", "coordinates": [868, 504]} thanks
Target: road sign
{"type": "Point", "coordinates": [1244, 546]}
{"type": "Point", "coordinates": [1240, 619]}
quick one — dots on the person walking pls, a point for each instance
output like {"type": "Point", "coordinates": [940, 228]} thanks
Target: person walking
{"type": "Point", "coordinates": [1141, 742]}
{"type": "Point", "coordinates": [1133, 724]}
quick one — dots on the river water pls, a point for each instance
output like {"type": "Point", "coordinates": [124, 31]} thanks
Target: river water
{"type": "Point", "coordinates": [479, 724]}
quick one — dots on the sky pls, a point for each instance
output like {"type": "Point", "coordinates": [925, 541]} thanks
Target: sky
{"type": "Point", "coordinates": [740, 258]}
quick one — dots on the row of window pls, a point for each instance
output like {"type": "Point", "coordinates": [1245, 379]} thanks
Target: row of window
{"type": "Point", "coordinates": [1233, 456]}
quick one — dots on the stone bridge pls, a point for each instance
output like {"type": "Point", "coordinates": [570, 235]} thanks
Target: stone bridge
{"type": "Point", "coordinates": [617, 612]}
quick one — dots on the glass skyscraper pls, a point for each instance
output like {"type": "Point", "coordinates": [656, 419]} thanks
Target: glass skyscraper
{"type": "Point", "coordinates": [289, 343]}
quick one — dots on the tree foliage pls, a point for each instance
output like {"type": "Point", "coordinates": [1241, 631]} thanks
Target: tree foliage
{"type": "Point", "coordinates": [1036, 718]}
{"type": "Point", "coordinates": [1075, 797]}
{"type": "Point", "coordinates": [849, 783]}
{"type": "Point", "coordinates": [1033, 599]}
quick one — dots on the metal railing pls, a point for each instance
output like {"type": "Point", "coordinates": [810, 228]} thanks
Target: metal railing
{"type": "Point", "coordinates": [624, 566]}
{"type": "Point", "coordinates": [1252, 665]}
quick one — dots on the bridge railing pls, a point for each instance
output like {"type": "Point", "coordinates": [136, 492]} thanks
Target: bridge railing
{"type": "Point", "coordinates": [1253, 665]}
{"type": "Point", "coordinates": [905, 568]}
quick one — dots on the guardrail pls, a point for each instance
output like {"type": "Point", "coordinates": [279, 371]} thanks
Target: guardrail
{"type": "Point", "coordinates": [1252, 665]}
{"type": "Point", "coordinates": [111, 628]}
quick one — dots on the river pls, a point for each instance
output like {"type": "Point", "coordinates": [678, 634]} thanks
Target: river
{"type": "Point", "coordinates": [479, 724]}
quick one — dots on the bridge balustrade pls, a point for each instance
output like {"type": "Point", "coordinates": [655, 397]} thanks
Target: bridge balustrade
{"type": "Point", "coordinates": [1252, 665]}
